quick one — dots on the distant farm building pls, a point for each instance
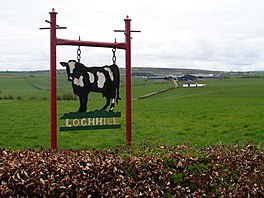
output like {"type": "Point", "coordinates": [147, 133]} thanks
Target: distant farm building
{"type": "Point", "coordinates": [193, 85]}
{"type": "Point", "coordinates": [162, 78]}
{"type": "Point", "coordinates": [189, 77]}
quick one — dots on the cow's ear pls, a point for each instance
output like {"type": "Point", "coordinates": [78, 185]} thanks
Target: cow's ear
{"type": "Point", "coordinates": [64, 64]}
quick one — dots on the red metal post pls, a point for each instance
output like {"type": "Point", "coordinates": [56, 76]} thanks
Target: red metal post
{"type": "Point", "coordinates": [128, 82]}
{"type": "Point", "coordinates": [53, 86]}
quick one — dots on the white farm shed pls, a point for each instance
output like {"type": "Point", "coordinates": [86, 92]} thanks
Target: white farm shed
{"type": "Point", "coordinates": [193, 85]}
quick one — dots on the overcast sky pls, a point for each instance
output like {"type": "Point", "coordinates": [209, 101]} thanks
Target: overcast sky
{"type": "Point", "coordinates": [221, 35]}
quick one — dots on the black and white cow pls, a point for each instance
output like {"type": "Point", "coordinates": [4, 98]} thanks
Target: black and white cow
{"type": "Point", "coordinates": [84, 80]}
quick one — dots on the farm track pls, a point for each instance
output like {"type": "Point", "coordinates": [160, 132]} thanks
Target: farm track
{"type": "Point", "coordinates": [30, 81]}
{"type": "Point", "coordinates": [176, 97]}
{"type": "Point", "coordinates": [155, 93]}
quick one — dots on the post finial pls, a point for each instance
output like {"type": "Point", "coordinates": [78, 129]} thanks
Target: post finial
{"type": "Point", "coordinates": [127, 18]}
{"type": "Point", "coordinates": [53, 11]}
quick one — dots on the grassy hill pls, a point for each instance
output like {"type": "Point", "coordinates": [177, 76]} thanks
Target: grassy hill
{"type": "Point", "coordinates": [227, 111]}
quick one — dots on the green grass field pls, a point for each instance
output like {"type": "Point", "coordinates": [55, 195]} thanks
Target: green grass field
{"type": "Point", "coordinates": [227, 111]}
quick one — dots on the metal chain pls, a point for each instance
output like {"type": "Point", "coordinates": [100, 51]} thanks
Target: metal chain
{"type": "Point", "coordinates": [114, 56]}
{"type": "Point", "coordinates": [79, 52]}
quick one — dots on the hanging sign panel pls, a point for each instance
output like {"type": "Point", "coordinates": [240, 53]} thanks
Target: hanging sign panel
{"type": "Point", "coordinates": [91, 120]}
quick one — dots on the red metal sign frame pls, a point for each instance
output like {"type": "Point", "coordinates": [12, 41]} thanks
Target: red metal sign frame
{"type": "Point", "coordinates": [54, 41]}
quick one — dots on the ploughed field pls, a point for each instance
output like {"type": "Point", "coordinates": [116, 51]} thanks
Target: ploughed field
{"type": "Point", "coordinates": [229, 111]}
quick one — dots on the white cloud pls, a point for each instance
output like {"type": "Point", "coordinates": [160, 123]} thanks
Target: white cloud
{"type": "Point", "coordinates": [206, 34]}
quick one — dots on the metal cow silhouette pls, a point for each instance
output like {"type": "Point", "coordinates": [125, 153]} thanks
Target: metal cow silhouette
{"type": "Point", "coordinates": [105, 80]}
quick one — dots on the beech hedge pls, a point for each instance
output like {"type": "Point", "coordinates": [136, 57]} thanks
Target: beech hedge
{"type": "Point", "coordinates": [163, 171]}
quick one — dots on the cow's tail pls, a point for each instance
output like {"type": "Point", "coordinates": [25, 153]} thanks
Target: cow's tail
{"type": "Point", "coordinates": [118, 85]}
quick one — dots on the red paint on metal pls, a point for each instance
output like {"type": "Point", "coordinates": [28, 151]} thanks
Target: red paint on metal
{"type": "Point", "coordinates": [128, 83]}
{"type": "Point", "coordinates": [54, 41]}
{"type": "Point", "coordinates": [90, 43]}
{"type": "Point", "coordinates": [53, 86]}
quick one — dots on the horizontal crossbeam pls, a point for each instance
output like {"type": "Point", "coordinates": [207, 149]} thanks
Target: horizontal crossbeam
{"type": "Point", "coordinates": [125, 31]}
{"type": "Point", "coordinates": [47, 28]}
{"type": "Point", "coordinates": [90, 43]}
{"type": "Point", "coordinates": [57, 26]}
